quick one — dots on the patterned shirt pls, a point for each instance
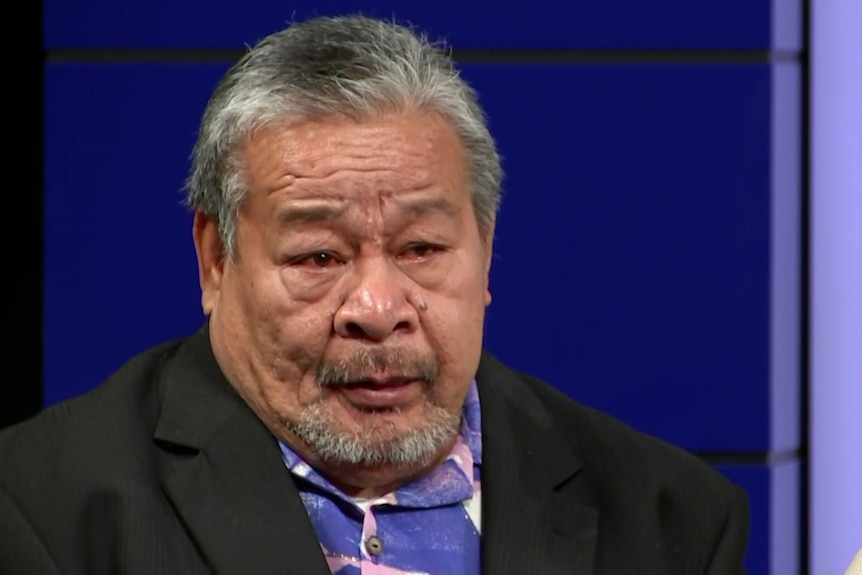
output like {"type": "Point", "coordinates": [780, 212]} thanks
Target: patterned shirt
{"type": "Point", "coordinates": [429, 526]}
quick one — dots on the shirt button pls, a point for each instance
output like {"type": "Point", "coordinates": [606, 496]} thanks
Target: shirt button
{"type": "Point", "coordinates": [374, 545]}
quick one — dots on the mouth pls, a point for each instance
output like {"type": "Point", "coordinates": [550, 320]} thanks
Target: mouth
{"type": "Point", "coordinates": [382, 393]}
{"type": "Point", "coordinates": [379, 382]}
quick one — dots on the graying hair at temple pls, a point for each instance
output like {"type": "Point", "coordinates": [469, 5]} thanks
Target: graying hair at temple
{"type": "Point", "coordinates": [350, 67]}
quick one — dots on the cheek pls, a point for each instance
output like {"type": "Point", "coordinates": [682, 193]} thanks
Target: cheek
{"type": "Point", "coordinates": [308, 288]}
{"type": "Point", "coordinates": [297, 332]}
{"type": "Point", "coordinates": [282, 304]}
{"type": "Point", "coordinates": [289, 337]}
{"type": "Point", "coordinates": [465, 285]}
{"type": "Point", "coordinates": [454, 326]}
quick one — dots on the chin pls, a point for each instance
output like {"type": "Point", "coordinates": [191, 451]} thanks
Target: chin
{"type": "Point", "coordinates": [379, 437]}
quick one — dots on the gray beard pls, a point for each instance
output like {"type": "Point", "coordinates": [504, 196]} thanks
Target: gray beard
{"type": "Point", "coordinates": [379, 445]}
{"type": "Point", "coordinates": [382, 444]}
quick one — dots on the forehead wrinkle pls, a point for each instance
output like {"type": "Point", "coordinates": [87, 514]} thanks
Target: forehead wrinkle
{"type": "Point", "coordinates": [351, 185]}
{"type": "Point", "coordinates": [393, 162]}
{"type": "Point", "coordinates": [320, 156]}
{"type": "Point", "coordinates": [321, 160]}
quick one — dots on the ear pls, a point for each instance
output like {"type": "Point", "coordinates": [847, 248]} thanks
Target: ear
{"type": "Point", "coordinates": [488, 243]}
{"type": "Point", "coordinates": [210, 260]}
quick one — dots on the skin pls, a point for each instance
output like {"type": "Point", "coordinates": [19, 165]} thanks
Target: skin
{"type": "Point", "coordinates": [346, 229]}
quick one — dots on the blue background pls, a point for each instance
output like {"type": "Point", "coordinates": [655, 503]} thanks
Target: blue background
{"type": "Point", "coordinates": [645, 208]}
{"type": "Point", "coordinates": [547, 24]}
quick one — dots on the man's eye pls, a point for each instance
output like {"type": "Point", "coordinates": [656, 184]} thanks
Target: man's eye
{"type": "Point", "coordinates": [321, 260]}
{"type": "Point", "coordinates": [419, 251]}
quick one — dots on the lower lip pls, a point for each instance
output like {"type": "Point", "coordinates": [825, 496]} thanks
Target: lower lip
{"type": "Point", "coordinates": [382, 396]}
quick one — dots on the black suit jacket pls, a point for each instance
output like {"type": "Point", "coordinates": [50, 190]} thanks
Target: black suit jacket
{"type": "Point", "coordinates": [164, 469]}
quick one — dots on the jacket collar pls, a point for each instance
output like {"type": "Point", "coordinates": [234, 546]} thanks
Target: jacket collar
{"type": "Point", "coordinates": [226, 478]}
{"type": "Point", "coordinates": [536, 512]}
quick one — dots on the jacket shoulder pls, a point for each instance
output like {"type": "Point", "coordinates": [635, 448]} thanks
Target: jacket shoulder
{"type": "Point", "coordinates": [613, 444]}
{"type": "Point", "coordinates": [97, 424]}
{"type": "Point", "coordinates": [630, 466]}
{"type": "Point", "coordinates": [651, 493]}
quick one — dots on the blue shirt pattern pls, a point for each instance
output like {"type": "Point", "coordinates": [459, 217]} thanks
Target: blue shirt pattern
{"type": "Point", "coordinates": [431, 525]}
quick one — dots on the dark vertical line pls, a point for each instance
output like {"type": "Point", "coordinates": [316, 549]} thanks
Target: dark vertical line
{"type": "Point", "coordinates": [805, 293]}
{"type": "Point", "coordinates": [21, 393]}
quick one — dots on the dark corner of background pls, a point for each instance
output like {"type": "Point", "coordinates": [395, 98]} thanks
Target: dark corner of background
{"type": "Point", "coordinates": [21, 389]}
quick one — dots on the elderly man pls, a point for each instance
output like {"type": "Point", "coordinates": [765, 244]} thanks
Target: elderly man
{"type": "Point", "coordinates": [337, 413]}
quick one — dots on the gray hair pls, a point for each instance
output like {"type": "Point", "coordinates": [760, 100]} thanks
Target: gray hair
{"type": "Point", "coordinates": [347, 66]}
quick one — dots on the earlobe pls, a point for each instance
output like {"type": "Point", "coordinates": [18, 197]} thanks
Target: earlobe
{"type": "Point", "coordinates": [489, 256]}
{"type": "Point", "coordinates": [210, 256]}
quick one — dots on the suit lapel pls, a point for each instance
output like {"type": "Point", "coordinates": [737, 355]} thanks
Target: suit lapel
{"type": "Point", "coordinates": [536, 515]}
{"type": "Point", "coordinates": [224, 474]}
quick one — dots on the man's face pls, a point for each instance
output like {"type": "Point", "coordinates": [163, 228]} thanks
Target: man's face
{"type": "Point", "coordinates": [350, 316]}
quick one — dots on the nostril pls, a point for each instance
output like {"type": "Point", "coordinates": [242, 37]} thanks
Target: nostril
{"type": "Point", "coordinates": [353, 330]}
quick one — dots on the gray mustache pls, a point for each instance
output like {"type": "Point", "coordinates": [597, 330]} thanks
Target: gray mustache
{"type": "Point", "coordinates": [368, 364]}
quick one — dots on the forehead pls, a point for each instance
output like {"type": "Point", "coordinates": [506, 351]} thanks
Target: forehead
{"type": "Point", "coordinates": [340, 157]}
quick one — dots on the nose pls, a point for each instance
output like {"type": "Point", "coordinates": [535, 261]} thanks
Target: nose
{"type": "Point", "coordinates": [377, 303]}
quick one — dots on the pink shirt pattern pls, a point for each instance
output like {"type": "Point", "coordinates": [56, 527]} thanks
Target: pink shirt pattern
{"type": "Point", "coordinates": [430, 526]}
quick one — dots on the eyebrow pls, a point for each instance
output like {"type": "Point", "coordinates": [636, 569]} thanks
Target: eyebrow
{"type": "Point", "coordinates": [315, 213]}
{"type": "Point", "coordinates": [422, 206]}
{"type": "Point", "coordinates": [310, 214]}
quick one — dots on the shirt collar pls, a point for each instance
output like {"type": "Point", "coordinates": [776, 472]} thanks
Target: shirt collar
{"type": "Point", "coordinates": [452, 481]}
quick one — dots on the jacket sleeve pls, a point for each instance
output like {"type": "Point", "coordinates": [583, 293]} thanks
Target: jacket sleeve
{"type": "Point", "coordinates": [729, 555]}
{"type": "Point", "coordinates": [21, 548]}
